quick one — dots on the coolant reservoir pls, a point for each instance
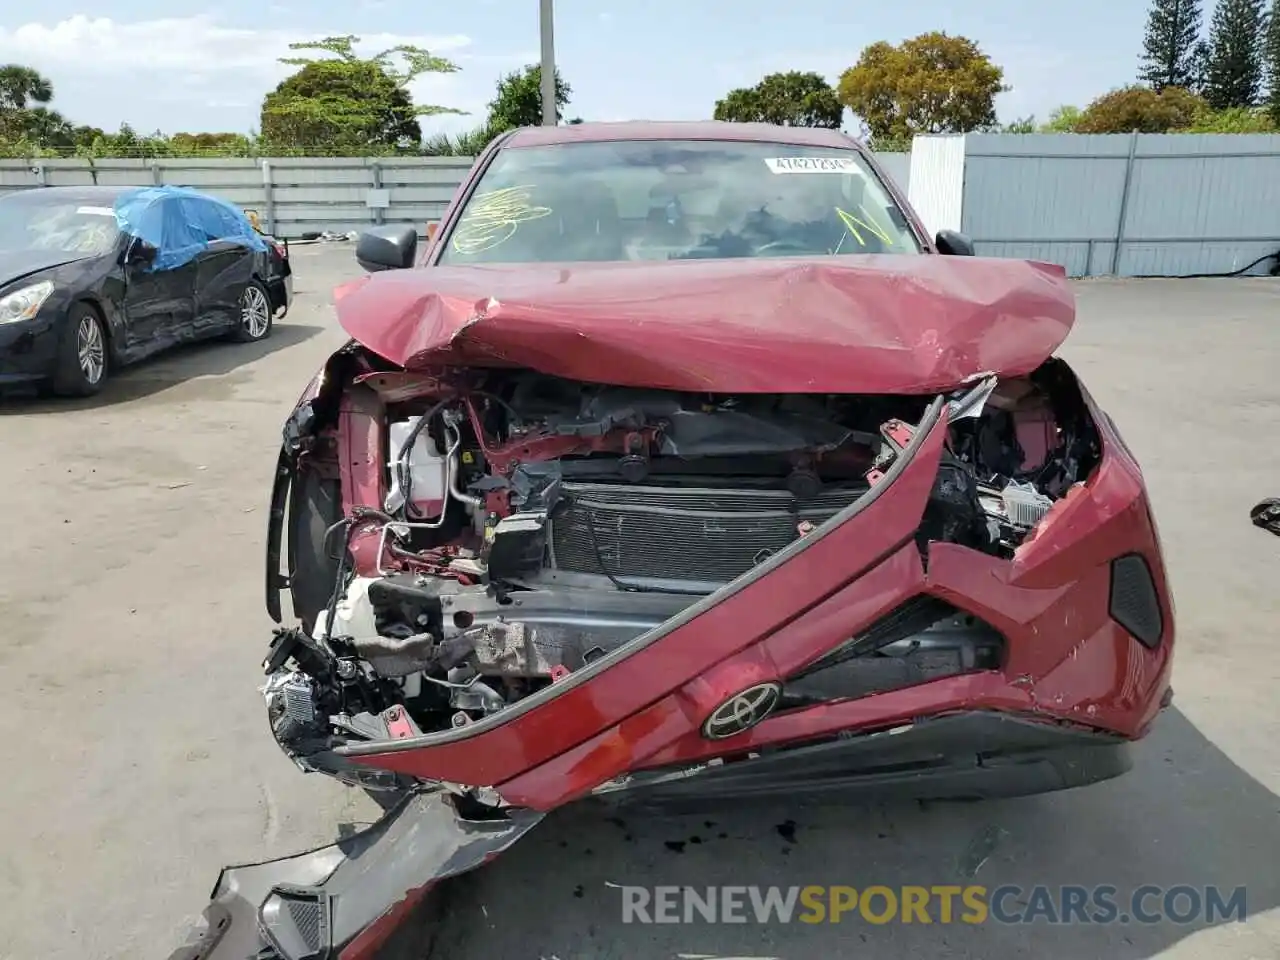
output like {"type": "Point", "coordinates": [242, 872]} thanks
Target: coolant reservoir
{"type": "Point", "coordinates": [353, 616]}
{"type": "Point", "coordinates": [428, 473]}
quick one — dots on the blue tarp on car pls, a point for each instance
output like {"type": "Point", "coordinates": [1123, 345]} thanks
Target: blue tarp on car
{"type": "Point", "coordinates": [181, 223]}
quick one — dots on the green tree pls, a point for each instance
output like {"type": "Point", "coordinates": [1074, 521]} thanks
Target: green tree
{"type": "Point", "coordinates": [1271, 54]}
{"type": "Point", "coordinates": [1169, 47]}
{"type": "Point", "coordinates": [343, 102]}
{"type": "Point", "coordinates": [22, 88]}
{"type": "Point", "coordinates": [48, 127]}
{"type": "Point", "coordinates": [127, 142]}
{"type": "Point", "coordinates": [1235, 120]}
{"type": "Point", "coordinates": [83, 138]}
{"type": "Point", "coordinates": [1021, 125]}
{"type": "Point", "coordinates": [211, 145]}
{"type": "Point", "coordinates": [1063, 119]}
{"type": "Point", "coordinates": [468, 144]}
{"type": "Point", "coordinates": [792, 99]}
{"type": "Point", "coordinates": [933, 83]}
{"type": "Point", "coordinates": [1141, 109]}
{"type": "Point", "coordinates": [28, 126]}
{"type": "Point", "coordinates": [1199, 68]}
{"type": "Point", "coordinates": [1234, 74]}
{"type": "Point", "coordinates": [518, 100]}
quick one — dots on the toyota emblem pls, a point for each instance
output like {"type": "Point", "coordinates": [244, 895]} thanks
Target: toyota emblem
{"type": "Point", "coordinates": [742, 711]}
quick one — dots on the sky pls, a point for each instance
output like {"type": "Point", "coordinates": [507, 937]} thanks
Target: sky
{"type": "Point", "coordinates": [196, 66]}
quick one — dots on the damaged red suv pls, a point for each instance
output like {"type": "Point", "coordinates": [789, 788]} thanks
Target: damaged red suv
{"type": "Point", "coordinates": [686, 466]}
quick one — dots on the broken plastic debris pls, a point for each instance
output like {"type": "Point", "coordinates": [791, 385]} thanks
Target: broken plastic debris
{"type": "Point", "coordinates": [1024, 504]}
{"type": "Point", "coordinates": [969, 403]}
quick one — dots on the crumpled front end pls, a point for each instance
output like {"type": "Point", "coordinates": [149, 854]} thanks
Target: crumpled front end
{"type": "Point", "coordinates": [492, 566]}
{"type": "Point", "coordinates": [514, 590]}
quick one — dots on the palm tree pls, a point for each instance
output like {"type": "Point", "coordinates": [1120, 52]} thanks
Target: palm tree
{"type": "Point", "coordinates": [21, 87]}
{"type": "Point", "coordinates": [48, 128]}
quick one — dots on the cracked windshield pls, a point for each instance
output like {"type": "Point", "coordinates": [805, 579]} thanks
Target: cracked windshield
{"type": "Point", "coordinates": [675, 200]}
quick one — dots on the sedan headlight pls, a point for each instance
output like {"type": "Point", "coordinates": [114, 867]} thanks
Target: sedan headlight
{"type": "Point", "coordinates": [23, 304]}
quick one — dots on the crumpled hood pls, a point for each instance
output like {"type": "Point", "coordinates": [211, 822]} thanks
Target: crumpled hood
{"type": "Point", "coordinates": [852, 324]}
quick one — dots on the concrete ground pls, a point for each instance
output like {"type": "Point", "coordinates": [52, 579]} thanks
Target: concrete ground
{"type": "Point", "coordinates": [139, 762]}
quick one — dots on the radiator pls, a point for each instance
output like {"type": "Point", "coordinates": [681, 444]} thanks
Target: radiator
{"type": "Point", "coordinates": [708, 535]}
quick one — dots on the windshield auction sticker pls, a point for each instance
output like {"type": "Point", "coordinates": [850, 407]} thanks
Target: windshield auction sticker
{"type": "Point", "coordinates": [812, 165]}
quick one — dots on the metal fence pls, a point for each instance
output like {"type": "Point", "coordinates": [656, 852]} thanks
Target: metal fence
{"type": "Point", "coordinates": [1123, 205]}
{"type": "Point", "coordinates": [292, 195]}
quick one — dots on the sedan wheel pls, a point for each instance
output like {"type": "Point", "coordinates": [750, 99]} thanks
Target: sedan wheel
{"type": "Point", "coordinates": [83, 358]}
{"type": "Point", "coordinates": [91, 350]}
{"type": "Point", "coordinates": [255, 314]}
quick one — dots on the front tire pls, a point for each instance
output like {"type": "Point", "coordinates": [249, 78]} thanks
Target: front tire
{"type": "Point", "coordinates": [83, 357]}
{"type": "Point", "coordinates": [254, 321]}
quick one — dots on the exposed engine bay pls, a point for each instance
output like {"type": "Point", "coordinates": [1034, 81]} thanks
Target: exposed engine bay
{"type": "Point", "coordinates": [461, 540]}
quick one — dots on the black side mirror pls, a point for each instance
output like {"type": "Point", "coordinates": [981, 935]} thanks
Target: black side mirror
{"type": "Point", "coordinates": [952, 243]}
{"type": "Point", "coordinates": [392, 247]}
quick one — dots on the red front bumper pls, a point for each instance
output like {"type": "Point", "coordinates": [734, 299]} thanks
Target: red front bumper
{"type": "Point", "coordinates": [643, 707]}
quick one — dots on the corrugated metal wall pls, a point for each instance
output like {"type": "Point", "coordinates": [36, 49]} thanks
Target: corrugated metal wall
{"type": "Point", "coordinates": [937, 181]}
{"type": "Point", "coordinates": [237, 180]}
{"type": "Point", "coordinates": [1129, 205]}
{"type": "Point", "coordinates": [317, 194]}
{"type": "Point", "coordinates": [898, 167]}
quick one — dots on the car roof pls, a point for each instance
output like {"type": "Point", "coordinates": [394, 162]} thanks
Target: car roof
{"type": "Point", "coordinates": [680, 130]}
{"type": "Point", "coordinates": [85, 194]}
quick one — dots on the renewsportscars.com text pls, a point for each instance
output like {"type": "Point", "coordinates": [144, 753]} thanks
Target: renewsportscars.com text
{"type": "Point", "coordinates": [943, 904]}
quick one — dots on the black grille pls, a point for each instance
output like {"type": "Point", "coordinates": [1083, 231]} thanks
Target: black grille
{"type": "Point", "coordinates": [914, 616]}
{"type": "Point", "coordinates": [306, 917]}
{"type": "Point", "coordinates": [680, 533]}
{"type": "Point", "coordinates": [296, 923]}
{"type": "Point", "coordinates": [923, 639]}
{"type": "Point", "coordinates": [1134, 602]}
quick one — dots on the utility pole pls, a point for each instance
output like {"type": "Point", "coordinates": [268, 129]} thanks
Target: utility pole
{"type": "Point", "coordinates": [547, 29]}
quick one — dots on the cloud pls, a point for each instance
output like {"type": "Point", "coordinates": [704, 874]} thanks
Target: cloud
{"type": "Point", "coordinates": [200, 73]}
{"type": "Point", "coordinates": [197, 45]}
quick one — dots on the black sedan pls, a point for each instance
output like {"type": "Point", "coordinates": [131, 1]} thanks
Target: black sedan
{"type": "Point", "coordinates": [80, 297]}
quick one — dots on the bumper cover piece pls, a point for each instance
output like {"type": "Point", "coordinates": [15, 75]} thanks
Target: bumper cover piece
{"type": "Point", "coordinates": [979, 755]}
{"type": "Point", "coordinates": [339, 901]}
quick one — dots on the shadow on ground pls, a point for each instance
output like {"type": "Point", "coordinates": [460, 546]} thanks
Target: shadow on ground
{"type": "Point", "coordinates": [179, 365]}
{"type": "Point", "coordinates": [1186, 814]}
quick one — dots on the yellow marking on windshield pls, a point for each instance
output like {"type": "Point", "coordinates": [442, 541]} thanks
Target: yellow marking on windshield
{"type": "Point", "coordinates": [855, 226]}
{"type": "Point", "coordinates": [492, 218]}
